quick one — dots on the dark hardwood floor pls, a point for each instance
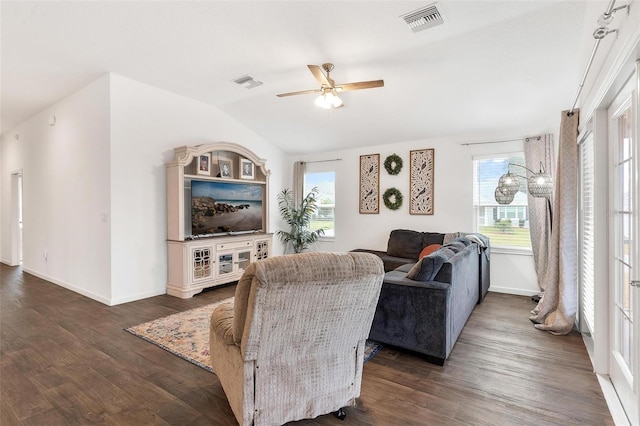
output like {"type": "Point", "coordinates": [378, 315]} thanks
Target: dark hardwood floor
{"type": "Point", "coordinates": [65, 359]}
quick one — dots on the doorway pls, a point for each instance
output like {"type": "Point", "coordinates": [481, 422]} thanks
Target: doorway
{"type": "Point", "coordinates": [16, 219]}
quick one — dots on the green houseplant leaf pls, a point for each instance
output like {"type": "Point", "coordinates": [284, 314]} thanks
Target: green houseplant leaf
{"type": "Point", "coordinates": [300, 236]}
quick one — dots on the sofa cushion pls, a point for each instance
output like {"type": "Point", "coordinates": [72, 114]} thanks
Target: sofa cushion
{"type": "Point", "coordinates": [427, 267]}
{"type": "Point", "coordinates": [428, 250]}
{"type": "Point", "coordinates": [405, 243]}
{"type": "Point", "coordinates": [429, 238]}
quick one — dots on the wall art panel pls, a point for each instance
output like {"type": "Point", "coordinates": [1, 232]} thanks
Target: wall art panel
{"type": "Point", "coordinates": [370, 184]}
{"type": "Point", "coordinates": [421, 166]}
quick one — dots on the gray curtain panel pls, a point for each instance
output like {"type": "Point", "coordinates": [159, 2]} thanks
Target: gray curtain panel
{"type": "Point", "coordinates": [539, 150]}
{"type": "Point", "coordinates": [556, 311]}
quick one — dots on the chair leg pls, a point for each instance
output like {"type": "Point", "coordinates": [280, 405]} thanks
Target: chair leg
{"type": "Point", "coordinates": [341, 414]}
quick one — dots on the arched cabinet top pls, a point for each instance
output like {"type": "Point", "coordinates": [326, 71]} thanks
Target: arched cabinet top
{"type": "Point", "coordinates": [184, 155]}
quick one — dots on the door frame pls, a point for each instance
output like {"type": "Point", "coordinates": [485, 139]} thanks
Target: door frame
{"type": "Point", "coordinates": [627, 387]}
{"type": "Point", "coordinates": [17, 197]}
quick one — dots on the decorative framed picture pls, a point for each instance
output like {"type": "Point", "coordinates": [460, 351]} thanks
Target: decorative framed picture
{"type": "Point", "coordinates": [370, 184]}
{"type": "Point", "coordinates": [421, 166]}
{"type": "Point", "coordinates": [247, 169]}
{"type": "Point", "coordinates": [225, 168]}
{"type": "Point", "coordinates": [204, 164]}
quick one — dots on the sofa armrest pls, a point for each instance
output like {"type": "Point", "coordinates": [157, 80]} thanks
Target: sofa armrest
{"type": "Point", "coordinates": [400, 278]}
{"type": "Point", "coordinates": [222, 322]}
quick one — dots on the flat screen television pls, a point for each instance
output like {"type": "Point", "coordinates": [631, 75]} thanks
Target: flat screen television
{"type": "Point", "coordinates": [225, 207]}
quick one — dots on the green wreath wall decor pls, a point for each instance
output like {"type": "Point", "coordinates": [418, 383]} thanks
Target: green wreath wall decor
{"type": "Point", "coordinates": [393, 164]}
{"type": "Point", "coordinates": [397, 198]}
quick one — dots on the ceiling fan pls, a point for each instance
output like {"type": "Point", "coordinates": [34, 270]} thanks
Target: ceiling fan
{"type": "Point", "coordinates": [329, 89]}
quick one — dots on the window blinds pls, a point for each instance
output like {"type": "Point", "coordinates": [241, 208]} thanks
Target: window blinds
{"type": "Point", "coordinates": [587, 238]}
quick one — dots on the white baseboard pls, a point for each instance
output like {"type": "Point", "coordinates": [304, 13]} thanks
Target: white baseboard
{"type": "Point", "coordinates": [97, 297]}
{"type": "Point", "coordinates": [511, 290]}
{"type": "Point", "coordinates": [75, 289]}
{"type": "Point", "coordinates": [611, 397]}
{"type": "Point", "coordinates": [138, 296]}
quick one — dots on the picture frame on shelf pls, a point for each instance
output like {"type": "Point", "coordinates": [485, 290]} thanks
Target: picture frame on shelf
{"type": "Point", "coordinates": [225, 169]}
{"type": "Point", "coordinates": [247, 169]}
{"type": "Point", "coordinates": [204, 164]}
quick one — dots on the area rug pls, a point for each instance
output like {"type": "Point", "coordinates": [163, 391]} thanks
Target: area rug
{"type": "Point", "coordinates": [186, 334]}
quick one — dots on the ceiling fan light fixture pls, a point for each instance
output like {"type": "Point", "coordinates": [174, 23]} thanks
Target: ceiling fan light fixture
{"type": "Point", "coordinates": [328, 100]}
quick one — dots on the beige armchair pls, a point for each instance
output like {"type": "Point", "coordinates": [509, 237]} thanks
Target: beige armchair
{"type": "Point", "coordinates": [290, 345]}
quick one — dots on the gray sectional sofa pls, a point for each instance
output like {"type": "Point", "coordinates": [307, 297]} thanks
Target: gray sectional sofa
{"type": "Point", "coordinates": [424, 304]}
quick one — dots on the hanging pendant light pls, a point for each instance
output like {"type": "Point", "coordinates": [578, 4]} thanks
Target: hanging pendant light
{"type": "Point", "coordinates": [540, 185]}
{"type": "Point", "coordinates": [502, 197]}
{"type": "Point", "coordinates": [509, 184]}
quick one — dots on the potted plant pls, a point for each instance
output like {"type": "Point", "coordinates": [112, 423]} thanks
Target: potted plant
{"type": "Point", "coordinates": [300, 235]}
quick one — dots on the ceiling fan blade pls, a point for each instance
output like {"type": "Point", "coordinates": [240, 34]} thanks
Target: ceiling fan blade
{"type": "Point", "coordinates": [319, 75]}
{"type": "Point", "coordinates": [302, 92]}
{"type": "Point", "coordinates": [359, 85]}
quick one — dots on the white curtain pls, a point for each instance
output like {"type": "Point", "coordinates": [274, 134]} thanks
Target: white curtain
{"type": "Point", "coordinates": [297, 191]}
{"type": "Point", "coordinates": [556, 311]}
{"type": "Point", "coordinates": [538, 152]}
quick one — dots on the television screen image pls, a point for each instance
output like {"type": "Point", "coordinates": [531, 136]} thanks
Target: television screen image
{"type": "Point", "coordinates": [225, 207]}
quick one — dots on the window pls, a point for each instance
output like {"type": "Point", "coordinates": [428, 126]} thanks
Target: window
{"type": "Point", "coordinates": [325, 214]}
{"type": "Point", "coordinates": [506, 225]}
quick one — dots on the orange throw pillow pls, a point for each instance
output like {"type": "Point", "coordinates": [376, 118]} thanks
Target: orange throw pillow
{"type": "Point", "coordinates": [428, 250]}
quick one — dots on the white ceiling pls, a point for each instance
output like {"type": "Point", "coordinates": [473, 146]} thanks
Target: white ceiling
{"type": "Point", "coordinates": [492, 67]}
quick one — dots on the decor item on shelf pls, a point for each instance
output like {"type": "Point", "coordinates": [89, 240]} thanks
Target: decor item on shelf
{"type": "Point", "coordinates": [204, 164]}
{"type": "Point", "coordinates": [539, 185]}
{"type": "Point", "coordinates": [393, 164]}
{"type": "Point", "coordinates": [421, 166]}
{"type": "Point", "coordinates": [392, 198]}
{"type": "Point", "coordinates": [300, 235]}
{"type": "Point", "coordinates": [370, 184]}
{"type": "Point", "coordinates": [247, 169]}
{"type": "Point", "coordinates": [328, 90]}
{"type": "Point", "coordinates": [225, 168]}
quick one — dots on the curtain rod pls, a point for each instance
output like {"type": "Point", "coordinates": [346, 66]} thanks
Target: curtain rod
{"type": "Point", "coordinates": [492, 141]}
{"type": "Point", "coordinates": [598, 34]}
{"type": "Point", "coordinates": [584, 76]}
{"type": "Point", "coordinates": [321, 161]}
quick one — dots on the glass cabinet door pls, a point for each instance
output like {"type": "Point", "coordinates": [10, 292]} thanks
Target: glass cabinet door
{"type": "Point", "coordinates": [225, 264]}
{"type": "Point", "coordinates": [201, 267]}
{"type": "Point", "coordinates": [244, 258]}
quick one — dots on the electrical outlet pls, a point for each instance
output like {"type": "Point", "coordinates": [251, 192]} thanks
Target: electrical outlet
{"type": "Point", "coordinates": [44, 255]}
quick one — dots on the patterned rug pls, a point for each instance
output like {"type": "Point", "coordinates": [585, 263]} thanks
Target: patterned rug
{"type": "Point", "coordinates": [186, 334]}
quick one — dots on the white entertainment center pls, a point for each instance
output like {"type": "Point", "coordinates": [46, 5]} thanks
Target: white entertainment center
{"type": "Point", "coordinates": [219, 256]}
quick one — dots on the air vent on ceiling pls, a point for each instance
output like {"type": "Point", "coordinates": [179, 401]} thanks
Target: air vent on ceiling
{"type": "Point", "coordinates": [248, 81]}
{"type": "Point", "coordinates": [424, 18]}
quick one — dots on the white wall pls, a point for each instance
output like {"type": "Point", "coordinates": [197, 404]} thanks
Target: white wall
{"type": "Point", "coordinates": [453, 212]}
{"type": "Point", "coordinates": [95, 187]}
{"type": "Point", "coordinates": [66, 187]}
{"type": "Point", "coordinates": [147, 123]}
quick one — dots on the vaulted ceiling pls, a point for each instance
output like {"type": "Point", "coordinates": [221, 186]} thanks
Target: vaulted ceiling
{"type": "Point", "coordinates": [492, 67]}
